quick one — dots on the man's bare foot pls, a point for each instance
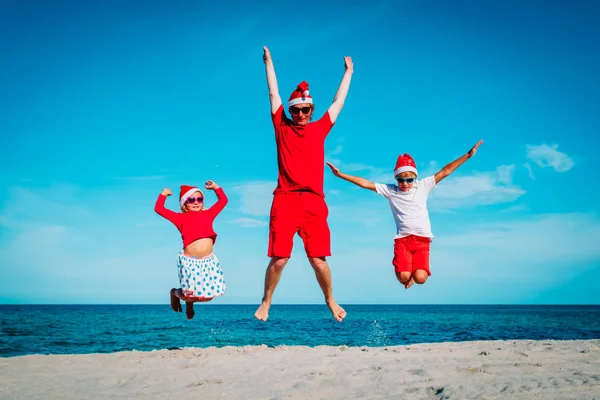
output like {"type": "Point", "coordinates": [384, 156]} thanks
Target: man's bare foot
{"type": "Point", "coordinates": [262, 313]}
{"type": "Point", "coordinates": [338, 312]}
{"type": "Point", "coordinates": [409, 283]}
{"type": "Point", "coordinates": [175, 303]}
{"type": "Point", "coordinates": [189, 310]}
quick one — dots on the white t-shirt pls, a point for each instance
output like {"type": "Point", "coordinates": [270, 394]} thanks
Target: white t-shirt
{"type": "Point", "coordinates": [409, 208]}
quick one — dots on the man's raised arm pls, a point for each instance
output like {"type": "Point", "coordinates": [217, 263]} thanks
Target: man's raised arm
{"type": "Point", "coordinates": [271, 81]}
{"type": "Point", "coordinates": [340, 96]}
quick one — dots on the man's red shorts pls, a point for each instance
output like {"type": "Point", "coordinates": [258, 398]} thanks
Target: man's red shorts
{"type": "Point", "coordinates": [411, 253]}
{"type": "Point", "coordinates": [302, 212]}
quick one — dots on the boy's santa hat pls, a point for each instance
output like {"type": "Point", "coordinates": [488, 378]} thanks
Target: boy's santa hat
{"type": "Point", "coordinates": [405, 163]}
{"type": "Point", "coordinates": [300, 95]}
{"type": "Point", "coordinates": [185, 192]}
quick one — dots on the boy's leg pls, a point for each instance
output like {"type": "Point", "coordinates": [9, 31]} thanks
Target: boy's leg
{"type": "Point", "coordinates": [402, 262]}
{"type": "Point", "coordinates": [421, 260]}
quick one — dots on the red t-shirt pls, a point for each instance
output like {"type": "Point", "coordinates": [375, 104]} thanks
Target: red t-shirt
{"type": "Point", "coordinates": [300, 153]}
{"type": "Point", "coordinates": [193, 225]}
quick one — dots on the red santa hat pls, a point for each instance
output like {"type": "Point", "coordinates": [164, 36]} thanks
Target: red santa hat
{"type": "Point", "coordinates": [405, 163]}
{"type": "Point", "coordinates": [300, 95]}
{"type": "Point", "coordinates": [185, 192]}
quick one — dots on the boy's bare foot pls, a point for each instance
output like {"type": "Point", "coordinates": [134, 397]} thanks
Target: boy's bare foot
{"type": "Point", "coordinates": [262, 313]}
{"type": "Point", "coordinates": [409, 283]}
{"type": "Point", "coordinates": [189, 310]}
{"type": "Point", "coordinates": [338, 312]}
{"type": "Point", "coordinates": [175, 303]}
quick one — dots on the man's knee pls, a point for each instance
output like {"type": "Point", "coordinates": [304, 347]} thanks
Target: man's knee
{"type": "Point", "coordinates": [403, 277]}
{"type": "Point", "coordinates": [318, 262]}
{"type": "Point", "coordinates": [277, 263]}
{"type": "Point", "coordinates": [420, 276]}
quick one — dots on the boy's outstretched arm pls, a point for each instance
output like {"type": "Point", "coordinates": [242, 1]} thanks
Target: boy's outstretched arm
{"type": "Point", "coordinates": [271, 81]}
{"type": "Point", "coordinates": [342, 92]}
{"type": "Point", "coordinates": [450, 168]}
{"type": "Point", "coordinates": [362, 182]}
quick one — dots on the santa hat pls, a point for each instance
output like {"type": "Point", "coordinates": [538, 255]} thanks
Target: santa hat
{"type": "Point", "coordinates": [300, 95]}
{"type": "Point", "coordinates": [405, 163]}
{"type": "Point", "coordinates": [185, 192]}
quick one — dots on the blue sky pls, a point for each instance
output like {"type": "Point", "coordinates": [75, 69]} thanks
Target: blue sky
{"type": "Point", "coordinates": [105, 103]}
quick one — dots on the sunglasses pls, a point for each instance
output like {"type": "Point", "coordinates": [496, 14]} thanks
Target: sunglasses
{"type": "Point", "coordinates": [405, 180]}
{"type": "Point", "coordinates": [192, 200]}
{"type": "Point", "coordinates": [296, 110]}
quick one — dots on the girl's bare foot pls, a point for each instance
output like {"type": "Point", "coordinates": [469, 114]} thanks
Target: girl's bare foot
{"type": "Point", "coordinates": [175, 303]}
{"type": "Point", "coordinates": [409, 283]}
{"type": "Point", "coordinates": [189, 310]}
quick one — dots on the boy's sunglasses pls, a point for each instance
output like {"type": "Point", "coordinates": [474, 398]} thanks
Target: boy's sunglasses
{"type": "Point", "coordinates": [192, 200]}
{"type": "Point", "coordinates": [296, 110]}
{"type": "Point", "coordinates": [405, 180]}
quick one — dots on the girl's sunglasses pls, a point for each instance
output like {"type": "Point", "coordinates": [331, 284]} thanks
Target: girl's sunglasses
{"type": "Point", "coordinates": [192, 200]}
{"type": "Point", "coordinates": [296, 110]}
{"type": "Point", "coordinates": [405, 180]}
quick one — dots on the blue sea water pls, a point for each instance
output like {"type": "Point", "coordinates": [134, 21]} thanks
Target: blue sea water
{"type": "Point", "coordinates": [68, 329]}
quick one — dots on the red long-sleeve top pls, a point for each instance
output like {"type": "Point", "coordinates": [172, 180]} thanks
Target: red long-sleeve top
{"type": "Point", "coordinates": [193, 225]}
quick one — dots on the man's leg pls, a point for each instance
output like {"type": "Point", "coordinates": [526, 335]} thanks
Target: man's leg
{"type": "Point", "coordinates": [272, 276]}
{"type": "Point", "coordinates": [317, 244]}
{"type": "Point", "coordinates": [323, 274]}
{"type": "Point", "coordinates": [282, 228]}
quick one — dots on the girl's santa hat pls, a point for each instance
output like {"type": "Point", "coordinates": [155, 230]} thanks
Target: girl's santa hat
{"type": "Point", "coordinates": [300, 95]}
{"type": "Point", "coordinates": [405, 163]}
{"type": "Point", "coordinates": [185, 192]}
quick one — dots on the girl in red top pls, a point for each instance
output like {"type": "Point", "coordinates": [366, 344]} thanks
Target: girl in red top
{"type": "Point", "coordinates": [200, 274]}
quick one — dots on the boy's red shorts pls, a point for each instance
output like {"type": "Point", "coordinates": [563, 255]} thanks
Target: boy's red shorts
{"type": "Point", "coordinates": [411, 253]}
{"type": "Point", "coordinates": [302, 212]}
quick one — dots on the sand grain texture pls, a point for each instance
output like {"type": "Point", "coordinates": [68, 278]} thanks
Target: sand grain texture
{"type": "Point", "coordinates": [482, 370]}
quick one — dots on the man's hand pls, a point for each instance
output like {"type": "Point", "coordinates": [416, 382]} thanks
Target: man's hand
{"type": "Point", "coordinates": [266, 55]}
{"type": "Point", "coordinates": [166, 192]}
{"type": "Point", "coordinates": [348, 64]}
{"type": "Point", "coordinates": [473, 150]}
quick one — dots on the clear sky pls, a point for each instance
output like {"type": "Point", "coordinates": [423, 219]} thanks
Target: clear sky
{"type": "Point", "coordinates": [104, 103]}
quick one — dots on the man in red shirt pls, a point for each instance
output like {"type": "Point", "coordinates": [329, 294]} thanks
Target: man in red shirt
{"type": "Point", "coordinates": [298, 201]}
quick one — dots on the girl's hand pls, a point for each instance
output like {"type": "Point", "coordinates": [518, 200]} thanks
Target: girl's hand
{"type": "Point", "coordinates": [334, 169]}
{"type": "Point", "coordinates": [210, 185]}
{"type": "Point", "coordinates": [166, 192]}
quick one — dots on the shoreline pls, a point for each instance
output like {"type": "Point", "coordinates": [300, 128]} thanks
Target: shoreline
{"type": "Point", "coordinates": [561, 369]}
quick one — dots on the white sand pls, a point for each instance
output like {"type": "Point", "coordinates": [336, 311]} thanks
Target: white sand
{"type": "Point", "coordinates": [486, 370]}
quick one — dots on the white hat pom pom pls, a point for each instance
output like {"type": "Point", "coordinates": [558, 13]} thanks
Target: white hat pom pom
{"type": "Point", "coordinates": [306, 93]}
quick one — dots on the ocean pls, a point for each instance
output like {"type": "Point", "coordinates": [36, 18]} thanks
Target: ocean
{"type": "Point", "coordinates": [72, 329]}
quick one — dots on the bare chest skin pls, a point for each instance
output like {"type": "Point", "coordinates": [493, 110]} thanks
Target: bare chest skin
{"type": "Point", "coordinates": [200, 247]}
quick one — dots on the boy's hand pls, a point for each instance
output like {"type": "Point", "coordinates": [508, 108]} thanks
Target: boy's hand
{"type": "Point", "coordinates": [166, 192]}
{"type": "Point", "coordinates": [210, 185]}
{"type": "Point", "coordinates": [473, 150]}
{"type": "Point", "coordinates": [266, 55]}
{"type": "Point", "coordinates": [334, 169]}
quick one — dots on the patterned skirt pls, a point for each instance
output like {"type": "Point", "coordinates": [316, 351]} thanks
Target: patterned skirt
{"type": "Point", "coordinates": [200, 277]}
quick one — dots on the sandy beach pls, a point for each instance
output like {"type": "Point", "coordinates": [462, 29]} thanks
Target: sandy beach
{"type": "Point", "coordinates": [485, 370]}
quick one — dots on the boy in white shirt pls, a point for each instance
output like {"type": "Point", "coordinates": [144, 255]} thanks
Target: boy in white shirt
{"type": "Point", "coordinates": [408, 201]}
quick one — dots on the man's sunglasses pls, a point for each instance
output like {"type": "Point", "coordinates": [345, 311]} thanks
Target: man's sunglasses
{"type": "Point", "coordinates": [192, 200]}
{"type": "Point", "coordinates": [296, 110]}
{"type": "Point", "coordinates": [405, 180]}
